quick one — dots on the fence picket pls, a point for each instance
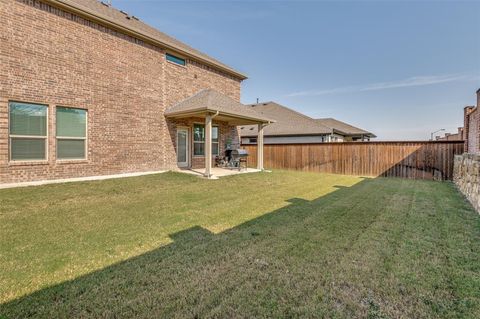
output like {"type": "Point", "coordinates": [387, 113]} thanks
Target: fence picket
{"type": "Point", "coordinates": [420, 160]}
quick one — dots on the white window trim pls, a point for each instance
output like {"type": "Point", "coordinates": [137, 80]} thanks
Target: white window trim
{"type": "Point", "coordinates": [57, 138]}
{"type": "Point", "coordinates": [13, 136]}
{"type": "Point", "coordinates": [203, 142]}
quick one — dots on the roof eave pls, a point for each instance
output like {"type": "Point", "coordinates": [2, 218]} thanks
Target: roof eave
{"type": "Point", "coordinates": [185, 112]}
{"type": "Point", "coordinates": [287, 134]}
{"type": "Point", "coordinates": [262, 120]}
{"type": "Point", "coordinates": [96, 18]}
{"type": "Point", "coordinates": [355, 134]}
{"type": "Point", "coordinates": [202, 110]}
{"type": "Point", "coordinates": [335, 131]}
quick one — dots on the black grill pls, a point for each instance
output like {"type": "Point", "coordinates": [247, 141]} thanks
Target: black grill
{"type": "Point", "coordinates": [236, 158]}
{"type": "Point", "coordinates": [239, 153]}
{"type": "Point", "coordinates": [239, 158]}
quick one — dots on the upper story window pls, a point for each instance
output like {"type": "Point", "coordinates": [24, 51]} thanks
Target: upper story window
{"type": "Point", "coordinates": [175, 59]}
{"type": "Point", "coordinates": [28, 131]}
{"type": "Point", "coordinates": [71, 133]}
{"type": "Point", "coordinates": [199, 140]}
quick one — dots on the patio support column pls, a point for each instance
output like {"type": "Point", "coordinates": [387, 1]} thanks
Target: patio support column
{"type": "Point", "coordinates": [260, 146]}
{"type": "Point", "coordinates": [208, 145]}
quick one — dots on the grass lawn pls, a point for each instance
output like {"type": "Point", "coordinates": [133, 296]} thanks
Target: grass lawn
{"type": "Point", "coordinates": [281, 244]}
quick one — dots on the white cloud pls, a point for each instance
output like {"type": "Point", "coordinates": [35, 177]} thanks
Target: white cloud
{"type": "Point", "coordinates": [410, 82]}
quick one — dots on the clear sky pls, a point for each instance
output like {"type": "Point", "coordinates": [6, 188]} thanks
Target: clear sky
{"type": "Point", "coordinates": [400, 69]}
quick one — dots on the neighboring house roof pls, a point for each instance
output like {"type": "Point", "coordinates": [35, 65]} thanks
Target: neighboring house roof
{"type": "Point", "coordinates": [288, 122]}
{"type": "Point", "coordinates": [343, 128]}
{"type": "Point", "coordinates": [452, 137]}
{"type": "Point", "coordinates": [213, 101]}
{"type": "Point", "coordinates": [100, 12]}
{"type": "Point", "coordinates": [449, 137]}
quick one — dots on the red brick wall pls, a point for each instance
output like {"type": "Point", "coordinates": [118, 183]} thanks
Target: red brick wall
{"type": "Point", "coordinates": [52, 57]}
{"type": "Point", "coordinates": [472, 127]}
{"type": "Point", "coordinates": [474, 131]}
{"type": "Point", "coordinates": [226, 131]}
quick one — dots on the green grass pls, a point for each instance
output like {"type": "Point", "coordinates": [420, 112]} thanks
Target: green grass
{"type": "Point", "coordinates": [281, 244]}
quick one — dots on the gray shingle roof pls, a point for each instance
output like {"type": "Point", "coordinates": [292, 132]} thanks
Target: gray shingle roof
{"type": "Point", "coordinates": [343, 127]}
{"type": "Point", "coordinates": [211, 100]}
{"type": "Point", "coordinates": [288, 122]}
{"type": "Point", "coordinates": [116, 17]}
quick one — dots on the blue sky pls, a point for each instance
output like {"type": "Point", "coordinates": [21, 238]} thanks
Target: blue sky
{"type": "Point", "coordinates": [400, 69]}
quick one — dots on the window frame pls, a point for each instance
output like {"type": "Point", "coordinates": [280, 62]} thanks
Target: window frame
{"type": "Point", "coordinates": [203, 142]}
{"type": "Point", "coordinates": [66, 138]}
{"type": "Point", "coordinates": [15, 136]}
{"type": "Point", "coordinates": [175, 56]}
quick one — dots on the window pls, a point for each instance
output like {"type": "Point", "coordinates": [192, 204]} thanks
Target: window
{"type": "Point", "coordinates": [175, 59]}
{"type": "Point", "coordinates": [71, 133]}
{"type": "Point", "coordinates": [215, 148]}
{"type": "Point", "coordinates": [199, 140]}
{"type": "Point", "coordinates": [253, 140]}
{"type": "Point", "coordinates": [28, 131]}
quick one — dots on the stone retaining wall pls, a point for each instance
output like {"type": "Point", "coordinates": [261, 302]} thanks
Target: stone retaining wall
{"type": "Point", "coordinates": [466, 175]}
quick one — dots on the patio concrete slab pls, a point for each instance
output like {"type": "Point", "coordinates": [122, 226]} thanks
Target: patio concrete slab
{"type": "Point", "coordinates": [218, 172]}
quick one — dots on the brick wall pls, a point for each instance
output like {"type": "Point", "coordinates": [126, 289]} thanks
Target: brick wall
{"type": "Point", "coordinates": [471, 130]}
{"type": "Point", "coordinates": [473, 141]}
{"type": "Point", "coordinates": [52, 57]}
{"type": "Point", "coordinates": [225, 131]}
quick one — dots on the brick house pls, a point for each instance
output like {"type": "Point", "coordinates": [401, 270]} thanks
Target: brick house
{"type": "Point", "coordinates": [451, 137]}
{"type": "Point", "coordinates": [472, 127]}
{"type": "Point", "coordinates": [84, 91]}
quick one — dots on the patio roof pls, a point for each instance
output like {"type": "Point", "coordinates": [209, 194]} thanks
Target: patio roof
{"type": "Point", "coordinates": [212, 102]}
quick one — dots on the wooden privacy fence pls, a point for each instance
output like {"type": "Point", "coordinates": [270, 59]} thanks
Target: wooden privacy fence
{"type": "Point", "coordinates": [422, 160]}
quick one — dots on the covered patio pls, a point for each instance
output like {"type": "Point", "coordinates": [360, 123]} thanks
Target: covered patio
{"type": "Point", "coordinates": [205, 125]}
